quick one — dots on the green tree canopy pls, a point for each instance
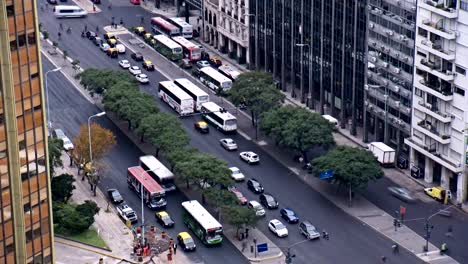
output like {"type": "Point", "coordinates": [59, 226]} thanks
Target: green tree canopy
{"type": "Point", "coordinates": [204, 168]}
{"type": "Point", "coordinates": [257, 91]}
{"type": "Point", "coordinates": [352, 167]}
{"type": "Point", "coordinates": [55, 147]}
{"type": "Point", "coordinates": [69, 220]}
{"type": "Point", "coordinates": [116, 97]}
{"type": "Point", "coordinates": [177, 155]}
{"type": "Point", "coordinates": [220, 198]}
{"type": "Point", "coordinates": [135, 108]}
{"type": "Point", "coordinates": [87, 210]}
{"type": "Point", "coordinates": [62, 187]}
{"type": "Point", "coordinates": [240, 217]}
{"type": "Point", "coordinates": [297, 128]}
{"type": "Point", "coordinates": [97, 81]}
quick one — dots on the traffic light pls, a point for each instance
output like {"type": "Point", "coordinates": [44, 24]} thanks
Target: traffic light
{"type": "Point", "coordinates": [395, 222]}
{"type": "Point", "coordinates": [398, 223]}
{"type": "Point", "coordinates": [289, 257]}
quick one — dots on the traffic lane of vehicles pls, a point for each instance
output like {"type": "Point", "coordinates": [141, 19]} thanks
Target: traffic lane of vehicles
{"type": "Point", "coordinates": [70, 110]}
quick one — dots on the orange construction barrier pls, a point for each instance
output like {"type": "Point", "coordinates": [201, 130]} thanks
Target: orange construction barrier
{"type": "Point", "coordinates": [169, 256]}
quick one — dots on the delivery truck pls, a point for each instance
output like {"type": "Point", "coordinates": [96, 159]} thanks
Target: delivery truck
{"type": "Point", "coordinates": [384, 154]}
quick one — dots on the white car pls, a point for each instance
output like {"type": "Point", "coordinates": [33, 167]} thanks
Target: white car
{"type": "Point", "coordinates": [228, 143]}
{"type": "Point", "coordinates": [236, 174]}
{"type": "Point", "coordinates": [67, 144]}
{"type": "Point", "coordinates": [278, 228]}
{"type": "Point", "coordinates": [120, 48]}
{"type": "Point", "coordinates": [134, 70]}
{"type": "Point", "coordinates": [104, 47]}
{"type": "Point", "coordinates": [124, 64]}
{"type": "Point", "coordinates": [142, 78]}
{"type": "Point", "coordinates": [257, 207]}
{"type": "Point", "coordinates": [249, 157]}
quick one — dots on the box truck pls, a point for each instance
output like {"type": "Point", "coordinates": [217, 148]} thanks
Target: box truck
{"type": "Point", "coordinates": [384, 154]}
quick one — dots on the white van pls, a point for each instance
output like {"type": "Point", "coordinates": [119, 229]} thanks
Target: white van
{"type": "Point", "coordinates": [331, 119]}
{"type": "Point", "coordinates": [120, 48]}
{"type": "Point", "coordinates": [62, 11]}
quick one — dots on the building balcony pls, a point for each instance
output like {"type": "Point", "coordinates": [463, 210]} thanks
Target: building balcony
{"type": "Point", "coordinates": [430, 130]}
{"type": "Point", "coordinates": [432, 27]}
{"type": "Point", "coordinates": [435, 48]}
{"type": "Point", "coordinates": [435, 89]}
{"type": "Point", "coordinates": [433, 111]}
{"type": "Point", "coordinates": [431, 152]}
{"type": "Point", "coordinates": [436, 70]}
{"type": "Point", "coordinates": [438, 7]}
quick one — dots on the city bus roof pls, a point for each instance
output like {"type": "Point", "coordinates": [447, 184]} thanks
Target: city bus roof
{"type": "Point", "coordinates": [185, 43]}
{"type": "Point", "coordinates": [176, 90]}
{"type": "Point", "coordinates": [144, 178]}
{"type": "Point", "coordinates": [206, 220]}
{"type": "Point", "coordinates": [213, 107]}
{"type": "Point", "coordinates": [197, 91]}
{"type": "Point", "coordinates": [167, 41]}
{"type": "Point", "coordinates": [157, 167]}
{"type": "Point", "coordinates": [180, 21]}
{"type": "Point", "coordinates": [164, 23]}
{"type": "Point", "coordinates": [215, 74]}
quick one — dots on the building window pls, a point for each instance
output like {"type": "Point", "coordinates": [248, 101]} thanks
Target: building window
{"type": "Point", "coordinates": [21, 40]}
{"type": "Point", "coordinates": [464, 5]}
{"type": "Point", "coordinates": [13, 45]}
{"type": "Point", "coordinates": [460, 70]}
{"type": "Point", "coordinates": [32, 38]}
{"type": "Point", "coordinates": [418, 92]}
{"type": "Point", "coordinates": [459, 91]}
{"type": "Point", "coordinates": [10, 10]}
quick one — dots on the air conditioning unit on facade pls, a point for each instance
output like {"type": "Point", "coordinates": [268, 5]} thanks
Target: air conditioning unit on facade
{"type": "Point", "coordinates": [373, 59]}
{"type": "Point", "coordinates": [371, 25]}
{"type": "Point", "coordinates": [385, 64]}
{"type": "Point", "coordinates": [397, 70]}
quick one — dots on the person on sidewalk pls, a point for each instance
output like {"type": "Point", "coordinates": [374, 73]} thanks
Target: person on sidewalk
{"type": "Point", "coordinates": [174, 246]}
{"type": "Point", "coordinates": [246, 233]}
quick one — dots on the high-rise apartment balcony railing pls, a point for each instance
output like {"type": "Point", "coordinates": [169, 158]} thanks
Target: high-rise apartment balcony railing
{"type": "Point", "coordinates": [431, 130]}
{"type": "Point", "coordinates": [433, 27]}
{"type": "Point", "coordinates": [434, 88]}
{"type": "Point", "coordinates": [437, 70]}
{"type": "Point", "coordinates": [439, 8]}
{"type": "Point", "coordinates": [435, 48]}
{"type": "Point", "coordinates": [433, 111]}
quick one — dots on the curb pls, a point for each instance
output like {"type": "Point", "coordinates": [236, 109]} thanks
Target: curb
{"type": "Point", "coordinates": [279, 255]}
{"type": "Point", "coordinates": [81, 242]}
{"type": "Point", "coordinates": [70, 243]}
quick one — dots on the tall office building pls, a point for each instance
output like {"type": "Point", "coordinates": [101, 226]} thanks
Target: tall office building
{"type": "Point", "coordinates": [25, 215]}
{"type": "Point", "coordinates": [388, 92]}
{"type": "Point", "coordinates": [318, 47]}
{"type": "Point", "coordinates": [440, 100]}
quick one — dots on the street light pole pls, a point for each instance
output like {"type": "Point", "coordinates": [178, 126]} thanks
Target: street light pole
{"type": "Point", "coordinates": [49, 123]}
{"type": "Point", "coordinates": [142, 213]}
{"type": "Point", "coordinates": [89, 134]}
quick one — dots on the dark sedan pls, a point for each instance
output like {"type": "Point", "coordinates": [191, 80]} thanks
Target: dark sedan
{"type": "Point", "coordinates": [114, 196]}
{"type": "Point", "coordinates": [289, 215]}
{"type": "Point", "coordinates": [268, 201]}
{"type": "Point", "coordinates": [255, 186]}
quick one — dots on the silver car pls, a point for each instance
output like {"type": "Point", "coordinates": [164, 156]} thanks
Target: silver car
{"type": "Point", "coordinates": [228, 143]}
{"type": "Point", "coordinates": [308, 230]}
{"type": "Point", "coordinates": [401, 193]}
{"type": "Point", "coordinates": [67, 144]}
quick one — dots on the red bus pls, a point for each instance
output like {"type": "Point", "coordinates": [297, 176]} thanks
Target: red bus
{"type": "Point", "coordinates": [191, 50]}
{"type": "Point", "coordinates": [153, 194]}
{"type": "Point", "coordinates": [161, 26]}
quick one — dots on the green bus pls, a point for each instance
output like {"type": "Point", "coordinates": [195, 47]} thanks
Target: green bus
{"type": "Point", "coordinates": [202, 223]}
{"type": "Point", "coordinates": [168, 48]}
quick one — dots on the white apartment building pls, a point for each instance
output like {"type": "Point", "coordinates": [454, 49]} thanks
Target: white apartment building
{"type": "Point", "coordinates": [226, 27]}
{"type": "Point", "coordinates": [439, 129]}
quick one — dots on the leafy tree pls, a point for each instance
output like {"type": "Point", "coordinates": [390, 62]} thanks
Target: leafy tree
{"type": "Point", "coordinates": [240, 217]}
{"type": "Point", "coordinates": [257, 91]}
{"type": "Point", "coordinates": [62, 187]}
{"type": "Point", "coordinates": [116, 97]}
{"type": "Point", "coordinates": [69, 220]}
{"type": "Point", "coordinates": [55, 147]}
{"type": "Point", "coordinates": [297, 128]}
{"type": "Point", "coordinates": [136, 108]}
{"type": "Point", "coordinates": [204, 168]}
{"type": "Point", "coordinates": [87, 210]}
{"type": "Point", "coordinates": [97, 81]}
{"type": "Point", "coordinates": [179, 155]}
{"type": "Point", "coordinates": [102, 140]}
{"type": "Point", "coordinates": [352, 167]}
{"type": "Point", "coordinates": [220, 198]}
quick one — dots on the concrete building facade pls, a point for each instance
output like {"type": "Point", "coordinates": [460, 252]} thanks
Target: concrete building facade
{"type": "Point", "coordinates": [439, 132]}
{"type": "Point", "coordinates": [388, 92]}
{"type": "Point", "coordinates": [26, 234]}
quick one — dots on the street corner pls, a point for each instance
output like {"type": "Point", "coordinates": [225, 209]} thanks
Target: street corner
{"type": "Point", "coordinates": [88, 6]}
{"type": "Point", "coordinates": [268, 259]}
{"type": "Point", "coordinates": [116, 30]}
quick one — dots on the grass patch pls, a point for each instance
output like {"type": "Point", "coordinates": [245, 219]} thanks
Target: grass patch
{"type": "Point", "coordinates": [89, 236]}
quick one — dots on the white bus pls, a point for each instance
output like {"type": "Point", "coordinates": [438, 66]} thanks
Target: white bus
{"type": "Point", "coordinates": [229, 72]}
{"type": "Point", "coordinates": [214, 79]}
{"type": "Point", "coordinates": [161, 26]}
{"type": "Point", "coordinates": [191, 50]}
{"type": "Point", "coordinates": [199, 96]}
{"type": "Point", "coordinates": [216, 115]}
{"type": "Point", "coordinates": [184, 27]}
{"type": "Point", "coordinates": [175, 97]}
{"type": "Point", "coordinates": [63, 11]}
{"type": "Point", "coordinates": [202, 223]}
{"type": "Point", "coordinates": [158, 172]}
{"type": "Point", "coordinates": [168, 47]}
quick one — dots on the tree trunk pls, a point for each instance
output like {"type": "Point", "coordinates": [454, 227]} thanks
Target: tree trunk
{"type": "Point", "coordinates": [350, 196]}
{"type": "Point", "coordinates": [252, 115]}
{"type": "Point", "coordinates": [188, 185]}
{"type": "Point", "coordinates": [142, 139]}
{"type": "Point", "coordinates": [304, 155]}
{"type": "Point", "coordinates": [157, 152]}
{"type": "Point", "coordinates": [129, 125]}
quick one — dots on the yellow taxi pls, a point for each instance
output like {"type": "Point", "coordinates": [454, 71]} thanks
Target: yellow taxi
{"type": "Point", "coordinates": [113, 52]}
{"type": "Point", "coordinates": [147, 37]}
{"type": "Point", "coordinates": [186, 241]}
{"type": "Point", "coordinates": [140, 31]}
{"type": "Point", "coordinates": [112, 42]}
{"type": "Point", "coordinates": [109, 35]}
{"type": "Point", "coordinates": [164, 219]}
{"type": "Point", "coordinates": [148, 65]}
{"type": "Point", "coordinates": [202, 127]}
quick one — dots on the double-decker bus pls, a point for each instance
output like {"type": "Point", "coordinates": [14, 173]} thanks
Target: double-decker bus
{"type": "Point", "coordinates": [199, 96]}
{"type": "Point", "coordinates": [162, 26]}
{"type": "Point", "coordinates": [168, 47]}
{"type": "Point", "coordinates": [214, 79]}
{"type": "Point", "coordinates": [158, 171]}
{"type": "Point", "coordinates": [142, 183]}
{"type": "Point", "coordinates": [219, 117]}
{"type": "Point", "coordinates": [191, 50]}
{"type": "Point", "coordinates": [229, 72]}
{"type": "Point", "coordinates": [202, 223]}
{"type": "Point", "coordinates": [185, 28]}
{"type": "Point", "coordinates": [175, 97]}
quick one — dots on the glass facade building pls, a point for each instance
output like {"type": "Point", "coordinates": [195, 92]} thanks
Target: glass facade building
{"type": "Point", "coordinates": [327, 70]}
{"type": "Point", "coordinates": [25, 215]}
